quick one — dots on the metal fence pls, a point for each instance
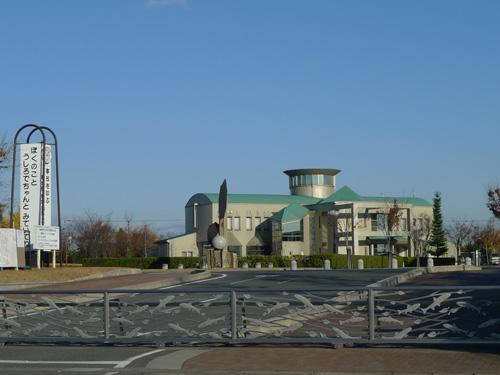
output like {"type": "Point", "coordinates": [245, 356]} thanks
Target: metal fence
{"type": "Point", "coordinates": [410, 315]}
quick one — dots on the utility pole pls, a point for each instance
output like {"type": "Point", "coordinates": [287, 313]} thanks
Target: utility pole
{"type": "Point", "coordinates": [145, 241]}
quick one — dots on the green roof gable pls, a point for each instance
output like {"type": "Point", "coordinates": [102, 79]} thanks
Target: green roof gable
{"type": "Point", "coordinates": [263, 198]}
{"type": "Point", "coordinates": [290, 213]}
{"type": "Point", "coordinates": [345, 194]}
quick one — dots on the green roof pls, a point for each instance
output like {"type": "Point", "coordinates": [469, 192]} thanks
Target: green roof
{"type": "Point", "coordinates": [290, 213]}
{"type": "Point", "coordinates": [402, 200]}
{"type": "Point", "coordinates": [263, 198]}
{"type": "Point", "coordinates": [173, 237]}
{"type": "Point", "coordinates": [346, 194]}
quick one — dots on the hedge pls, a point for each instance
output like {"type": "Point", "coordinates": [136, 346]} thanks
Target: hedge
{"type": "Point", "coordinates": [317, 261]}
{"type": "Point", "coordinates": [143, 263]}
{"type": "Point", "coordinates": [412, 261]}
{"type": "Point", "coordinates": [338, 261]}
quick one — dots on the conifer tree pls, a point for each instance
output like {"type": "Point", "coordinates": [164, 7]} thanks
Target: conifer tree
{"type": "Point", "coordinates": [438, 237]}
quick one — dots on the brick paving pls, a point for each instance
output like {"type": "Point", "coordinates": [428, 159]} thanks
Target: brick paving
{"type": "Point", "coordinates": [366, 360]}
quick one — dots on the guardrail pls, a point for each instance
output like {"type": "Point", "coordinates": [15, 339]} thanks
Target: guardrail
{"type": "Point", "coordinates": [370, 315]}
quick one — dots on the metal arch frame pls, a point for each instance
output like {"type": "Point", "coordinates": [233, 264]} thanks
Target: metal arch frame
{"type": "Point", "coordinates": [42, 130]}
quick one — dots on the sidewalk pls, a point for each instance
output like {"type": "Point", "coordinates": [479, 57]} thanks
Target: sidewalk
{"type": "Point", "coordinates": [343, 361]}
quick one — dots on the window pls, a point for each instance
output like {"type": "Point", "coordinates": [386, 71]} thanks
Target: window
{"type": "Point", "coordinates": [187, 253]}
{"type": "Point", "coordinates": [229, 223]}
{"type": "Point", "coordinates": [374, 222]}
{"type": "Point", "coordinates": [195, 219]}
{"type": "Point", "coordinates": [308, 179]}
{"type": "Point", "coordinates": [402, 224]}
{"type": "Point", "coordinates": [236, 222]}
{"type": "Point", "coordinates": [315, 179]}
{"type": "Point", "coordinates": [328, 180]}
{"type": "Point", "coordinates": [235, 249]}
{"type": "Point", "coordinates": [380, 249]}
{"type": "Point", "coordinates": [257, 222]}
{"type": "Point", "coordinates": [257, 250]}
{"type": "Point", "coordinates": [248, 223]}
{"type": "Point", "coordinates": [381, 221]}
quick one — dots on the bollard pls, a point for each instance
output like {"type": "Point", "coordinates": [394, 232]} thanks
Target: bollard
{"type": "Point", "coordinates": [327, 264]}
{"type": "Point", "coordinates": [245, 265]}
{"type": "Point", "coordinates": [430, 263]}
{"type": "Point", "coordinates": [180, 266]}
{"type": "Point", "coordinates": [468, 261]}
{"type": "Point", "coordinates": [394, 264]}
{"type": "Point", "coordinates": [270, 265]}
{"type": "Point", "coordinates": [361, 264]}
{"type": "Point", "coordinates": [294, 265]}
{"type": "Point", "coordinates": [164, 266]}
{"type": "Point", "coordinates": [257, 265]}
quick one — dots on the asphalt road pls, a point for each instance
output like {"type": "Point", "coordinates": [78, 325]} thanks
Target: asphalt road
{"type": "Point", "coordinates": [279, 279]}
{"type": "Point", "coordinates": [109, 360]}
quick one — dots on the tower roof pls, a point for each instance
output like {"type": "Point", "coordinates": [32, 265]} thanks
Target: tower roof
{"type": "Point", "coordinates": [299, 172]}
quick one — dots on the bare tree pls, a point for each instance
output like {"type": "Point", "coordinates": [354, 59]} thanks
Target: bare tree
{"type": "Point", "coordinates": [94, 236]}
{"type": "Point", "coordinates": [388, 222]}
{"type": "Point", "coordinates": [488, 238]}
{"type": "Point", "coordinates": [459, 232]}
{"type": "Point", "coordinates": [5, 149]}
{"type": "Point", "coordinates": [420, 233]}
{"type": "Point", "coordinates": [494, 201]}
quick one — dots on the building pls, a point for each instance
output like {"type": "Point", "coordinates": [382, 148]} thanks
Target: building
{"type": "Point", "coordinates": [315, 218]}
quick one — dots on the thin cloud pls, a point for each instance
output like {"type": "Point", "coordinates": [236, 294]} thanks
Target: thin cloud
{"type": "Point", "coordinates": [160, 3]}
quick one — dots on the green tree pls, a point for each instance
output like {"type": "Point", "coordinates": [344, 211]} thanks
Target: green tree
{"type": "Point", "coordinates": [438, 237]}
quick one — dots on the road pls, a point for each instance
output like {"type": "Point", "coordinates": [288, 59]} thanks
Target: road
{"type": "Point", "coordinates": [188, 311]}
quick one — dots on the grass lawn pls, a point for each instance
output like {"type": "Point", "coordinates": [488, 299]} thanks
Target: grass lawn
{"type": "Point", "coordinates": [49, 274]}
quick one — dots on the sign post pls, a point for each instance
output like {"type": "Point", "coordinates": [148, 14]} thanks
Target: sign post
{"type": "Point", "coordinates": [35, 196]}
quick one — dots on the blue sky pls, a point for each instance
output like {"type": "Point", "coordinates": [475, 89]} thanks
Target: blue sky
{"type": "Point", "coordinates": [154, 101]}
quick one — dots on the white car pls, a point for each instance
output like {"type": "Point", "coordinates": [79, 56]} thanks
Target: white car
{"type": "Point", "coordinates": [495, 259]}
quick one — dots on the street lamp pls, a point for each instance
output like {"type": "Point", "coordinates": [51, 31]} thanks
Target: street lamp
{"type": "Point", "coordinates": [336, 214]}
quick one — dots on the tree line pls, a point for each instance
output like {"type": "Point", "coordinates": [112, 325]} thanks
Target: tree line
{"type": "Point", "coordinates": [94, 236]}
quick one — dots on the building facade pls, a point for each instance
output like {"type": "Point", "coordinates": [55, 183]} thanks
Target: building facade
{"type": "Point", "coordinates": [315, 218]}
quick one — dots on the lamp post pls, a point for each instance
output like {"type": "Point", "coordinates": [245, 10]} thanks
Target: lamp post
{"type": "Point", "coordinates": [336, 214]}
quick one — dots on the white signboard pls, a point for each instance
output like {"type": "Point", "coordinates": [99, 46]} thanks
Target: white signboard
{"type": "Point", "coordinates": [30, 173]}
{"type": "Point", "coordinates": [8, 246]}
{"type": "Point", "coordinates": [46, 238]}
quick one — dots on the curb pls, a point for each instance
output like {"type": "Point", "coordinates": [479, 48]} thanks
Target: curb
{"type": "Point", "coordinates": [110, 273]}
{"type": "Point", "coordinates": [398, 279]}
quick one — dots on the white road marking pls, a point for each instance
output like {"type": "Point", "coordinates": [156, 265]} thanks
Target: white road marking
{"type": "Point", "coordinates": [125, 363]}
{"type": "Point", "coordinates": [27, 362]}
{"type": "Point", "coordinates": [195, 282]}
{"type": "Point", "coordinates": [128, 361]}
{"type": "Point", "coordinates": [282, 282]}
{"type": "Point", "coordinates": [252, 279]}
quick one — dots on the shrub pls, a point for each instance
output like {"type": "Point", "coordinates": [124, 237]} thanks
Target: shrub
{"type": "Point", "coordinates": [143, 263]}
{"type": "Point", "coordinates": [412, 261]}
{"type": "Point", "coordinates": [337, 261]}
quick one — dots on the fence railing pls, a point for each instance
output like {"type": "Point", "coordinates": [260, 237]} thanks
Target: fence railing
{"type": "Point", "coordinates": [411, 315]}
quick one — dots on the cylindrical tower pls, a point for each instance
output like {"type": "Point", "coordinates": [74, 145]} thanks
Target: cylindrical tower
{"type": "Point", "coordinates": [312, 182]}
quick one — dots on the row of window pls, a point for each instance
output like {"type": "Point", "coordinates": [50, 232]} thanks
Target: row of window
{"type": "Point", "coordinates": [234, 222]}
{"type": "Point", "coordinates": [379, 223]}
{"type": "Point", "coordinates": [311, 179]}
